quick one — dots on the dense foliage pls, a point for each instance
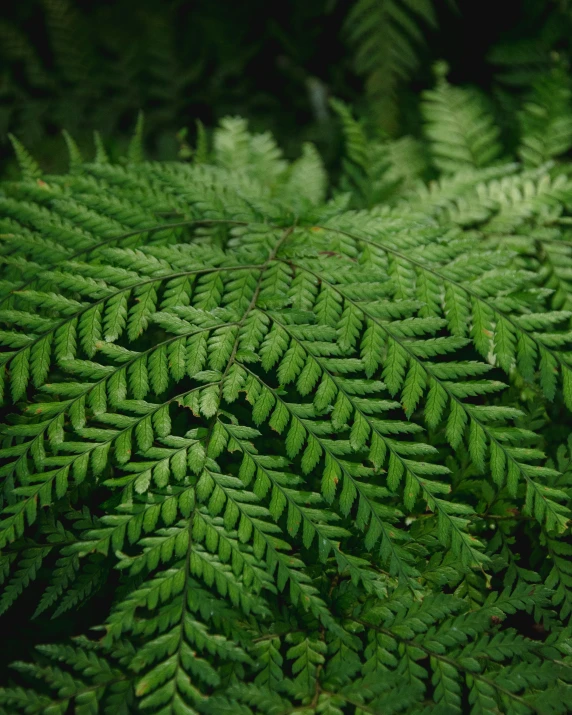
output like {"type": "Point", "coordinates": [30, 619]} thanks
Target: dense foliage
{"type": "Point", "coordinates": [93, 65]}
{"type": "Point", "coordinates": [314, 436]}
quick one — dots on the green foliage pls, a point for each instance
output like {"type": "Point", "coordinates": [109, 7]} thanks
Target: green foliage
{"type": "Point", "coordinates": [387, 35]}
{"type": "Point", "coordinates": [538, 37]}
{"type": "Point", "coordinates": [460, 130]}
{"type": "Point", "coordinates": [546, 119]}
{"type": "Point", "coordinates": [373, 170]}
{"type": "Point", "coordinates": [320, 448]}
{"type": "Point", "coordinates": [93, 65]}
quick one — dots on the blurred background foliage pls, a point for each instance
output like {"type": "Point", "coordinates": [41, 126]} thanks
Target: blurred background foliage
{"type": "Point", "coordinates": [93, 64]}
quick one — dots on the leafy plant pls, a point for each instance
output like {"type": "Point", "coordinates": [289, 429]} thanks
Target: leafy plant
{"type": "Point", "coordinates": [94, 65]}
{"type": "Point", "coordinates": [321, 448]}
{"type": "Point", "coordinates": [386, 36]}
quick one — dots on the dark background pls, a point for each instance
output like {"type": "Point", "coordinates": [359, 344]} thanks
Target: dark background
{"type": "Point", "coordinates": [94, 64]}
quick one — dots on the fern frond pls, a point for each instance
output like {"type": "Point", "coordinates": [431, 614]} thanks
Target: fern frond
{"type": "Point", "coordinates": [374, 171]}
{"type": "Point", "coordinates": [289, 428]}
{"type": "Point", "coordinates": [83, 676]}
{"type": "Point", "coordinates": [458, 124]}
{"type": "Point", "coordinates": [546, 120]}
{"type": "Point", "coordinates": [387, 36]}
{"type": "Point", "coordinates": [28, 165]}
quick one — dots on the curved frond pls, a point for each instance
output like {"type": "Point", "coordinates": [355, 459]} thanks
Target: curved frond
{"type": "Point", "coordinates": [288, 430]}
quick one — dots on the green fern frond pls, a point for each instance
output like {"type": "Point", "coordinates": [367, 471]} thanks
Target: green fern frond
{"type": "Point", "coordinates": [289, 429]}
{"type": "Point", "coordinates": [546, 120]}
{"type": "Point", "coordinates": [375, 171]}
{"type": "Point", "coordinates": [28, 165]}
{"type": "Point", "coordinates": [387, 36]}
{"type": "Point", "coordinates": [461, 131]}
{"type": "Point", "coordinates": [83, 676]}
{"type": "Point", "coordinates": [75, 157]}
{"type": "Point", "coordinates": [135, 152]}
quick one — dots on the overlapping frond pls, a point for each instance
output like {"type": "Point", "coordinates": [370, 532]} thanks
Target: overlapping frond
{"type": "Point", "coordinates": [375, 171]}
{"type": "Point", "coordinates": [298, 423]}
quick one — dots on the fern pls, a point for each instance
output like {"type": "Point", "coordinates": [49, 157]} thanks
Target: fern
{"type": "Point", "coordinates": [547, 120]}
{"type": "Point", "coordinates": [300, 435]}
{"type": "Point", "coordinates": [387, 36]}
{"type": "Point", "coordinates": [374, 170]}
{"type": "Point", "coordinates": [541, 37]}
{"type": "Point", "coordinates": [459, 127]}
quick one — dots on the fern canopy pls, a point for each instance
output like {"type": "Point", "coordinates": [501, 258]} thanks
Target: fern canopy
{"type": "Point", "coordinates": [309, 439]}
